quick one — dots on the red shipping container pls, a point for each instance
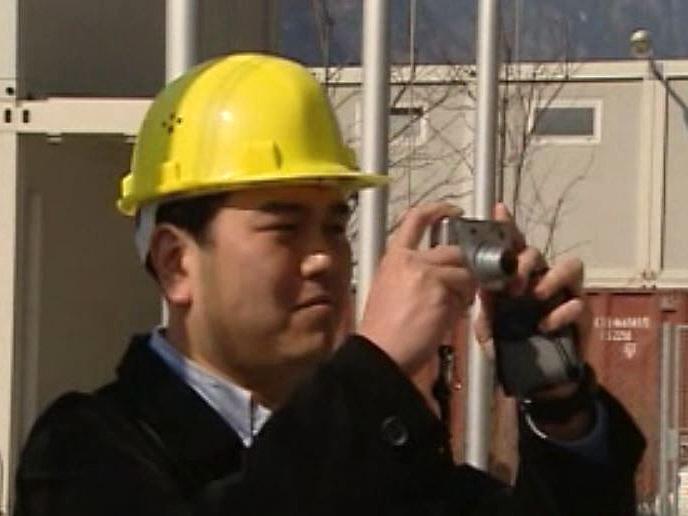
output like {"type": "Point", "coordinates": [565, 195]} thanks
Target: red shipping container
{"type": "Point", "coordinates": [624, 348]}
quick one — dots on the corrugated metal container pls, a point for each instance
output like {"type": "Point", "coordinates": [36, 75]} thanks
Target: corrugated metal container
{"type": "Point", "coordinates": [624, 348]}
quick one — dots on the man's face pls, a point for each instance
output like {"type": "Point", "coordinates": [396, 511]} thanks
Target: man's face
{"type": "Point", "coordinates": [272, 282]}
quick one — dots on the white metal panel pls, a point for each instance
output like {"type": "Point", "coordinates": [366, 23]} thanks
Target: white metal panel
{"type": "Point", "coordinates": [57, 116]}
{"type": "Point", "coordinates": [81, 299]}
{"type": "Point", "coordinates": [8, 259]}
{"type": "Point", "coordinates": [651, 175]}
{"type": "Point", "coordinates": [614, 217]}
{"type": "Point", "coordinates": [545, 72]}
{"type": "Point", "coordinates": [585, 199]}
{"type": "Point", "coordinates": [657, 180]}
{"type": "Point", "coordinates": [675, 242]}
{"type": "Point", "coordinates": [8, 198]}
{"type": "Point", "coordinates": [8, 46]}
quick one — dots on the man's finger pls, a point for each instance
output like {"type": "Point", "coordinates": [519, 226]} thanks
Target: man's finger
{"type": "Point", "coordinates": [416, 222]}
{"type": "Point", "coordinates": [565, 274]}
{"type": "Point", "coordinates": [444, 255]}
{"type": "Point", "coordinates": [572, 311]}
{"type": "Point", "coordinates": [502, 213]}
{"type": "Point", "coordinates": [459, 281]}
{"type": "Point", "coordinates": [530, 263]}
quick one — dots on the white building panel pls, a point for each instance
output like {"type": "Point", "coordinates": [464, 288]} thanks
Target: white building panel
{"type": "Point", "coordinates": [675, 213]}
{"type": "Point", "coordinates": [612, 197]}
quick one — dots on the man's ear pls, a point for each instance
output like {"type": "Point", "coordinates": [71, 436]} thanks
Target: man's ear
{"type": "Point", "coordinates": [170, 253]}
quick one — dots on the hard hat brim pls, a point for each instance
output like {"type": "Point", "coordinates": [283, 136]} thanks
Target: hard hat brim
{"type": "Point", "coordinates": [348, 181]}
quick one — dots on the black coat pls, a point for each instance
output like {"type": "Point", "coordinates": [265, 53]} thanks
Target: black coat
{"type": "Point", "coordinates": [355, 439]}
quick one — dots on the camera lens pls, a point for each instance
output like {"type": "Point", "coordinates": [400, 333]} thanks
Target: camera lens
{"type": "Point", "coordinates": [493, 265]}
{"type": "Point", "coordinates": [508, 262]}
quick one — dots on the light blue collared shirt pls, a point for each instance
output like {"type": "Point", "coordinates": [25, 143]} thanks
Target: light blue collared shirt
{"type": "Point", "coordinates": [238, 409]}
{"type": "Point", "coordinates": [234, 404]}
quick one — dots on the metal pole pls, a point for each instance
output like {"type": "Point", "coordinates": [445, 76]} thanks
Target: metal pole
{"type": "Point", "coordinates": [12, 381]}
{"type": "Point", "coordinates": [480, 370]}
{"type": "Point", "coordinates": [676, 361]}
{"type": "Point", "coordinates": [180, 37]}
{"type": "Point", "coordinates": [517, 32]}
{"type": "Point", "coordinates": [375, 129]}
{"type": "Point", "coordinates": [180, 55]}
{"type": "Point", "coordinates": [664, 418]}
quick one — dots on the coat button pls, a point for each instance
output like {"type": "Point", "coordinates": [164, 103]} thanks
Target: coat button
{"type": "Point", "coordinates": [394, 431]}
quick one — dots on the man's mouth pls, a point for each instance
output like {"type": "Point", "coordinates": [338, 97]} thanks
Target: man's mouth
{"type": "Point", "coordinates": [316, 301]}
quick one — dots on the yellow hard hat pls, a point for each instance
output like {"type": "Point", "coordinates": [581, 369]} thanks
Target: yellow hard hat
{"type": "Point", "coordinates": [238, 122]}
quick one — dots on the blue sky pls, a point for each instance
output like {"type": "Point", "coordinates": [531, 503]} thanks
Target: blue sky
{"type": "Point", "coordinates": [546, 29]}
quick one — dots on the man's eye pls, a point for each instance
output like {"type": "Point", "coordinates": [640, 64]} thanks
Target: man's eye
{"type": "Point", "coordinates": [283, 227]}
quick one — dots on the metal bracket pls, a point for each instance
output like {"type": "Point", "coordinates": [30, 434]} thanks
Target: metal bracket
{"type": "Point", "coordinates": [8, 116]}
{"type": "Point", "coordinates": [13, 117]}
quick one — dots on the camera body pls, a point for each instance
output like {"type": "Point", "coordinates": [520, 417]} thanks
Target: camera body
{"type": "Point", "coordinates": [527, 359]}
{"type": "Point", "coordinates": [487, 246]}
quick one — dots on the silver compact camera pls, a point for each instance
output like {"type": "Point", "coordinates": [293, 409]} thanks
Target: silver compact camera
{"type": "Point", "coordinates": [486, 244]}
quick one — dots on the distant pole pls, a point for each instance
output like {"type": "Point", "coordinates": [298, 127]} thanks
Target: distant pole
{"type": "Point", "coordinates": [480, 370]}
{"type": "Point", "coordinates": [180, 37]}
{"type": "Point", "coordinates": [180, 55]}
{"type": "Point", "coordinates": [517, 32]}
{"type": "Point", "coordinates": [375, 130]}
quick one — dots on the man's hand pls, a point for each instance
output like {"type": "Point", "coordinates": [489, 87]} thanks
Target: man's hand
{"type": "Point", "coordinates": [543, 283]}
{"type": "Point", "coordinates": [417, 296]}
{"type": "Point", "coordinates": [566, 274]}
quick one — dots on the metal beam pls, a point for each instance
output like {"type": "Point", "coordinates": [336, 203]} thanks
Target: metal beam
{"type": "Point", "coordinates": [480, 368]}
{"type": "Point", "coordinates": [55, 116]}
{"type": "Point", "coordinates": [8, 306]}
{"type": "Point", "coordinates": [180, 37]}
{"type": "Point", "coordinates": [8, 48]}
{"type": "Point", "coordinates": [375, 130]}
{"type": "Point", "coordinates": [9, 12]}
{"type": "Point", "coordinates": [666, 483]}
{"type": "Point", "coordinates": [651, 173]}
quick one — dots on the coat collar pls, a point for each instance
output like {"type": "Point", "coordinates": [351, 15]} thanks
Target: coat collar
{"type": "Point", "coordinates": [193, 435]}
{"type": "Point", "coordinates": [235, 405]}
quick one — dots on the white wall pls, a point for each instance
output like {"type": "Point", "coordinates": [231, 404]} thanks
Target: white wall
{"type": "Point", "coordinates": [623, 209]}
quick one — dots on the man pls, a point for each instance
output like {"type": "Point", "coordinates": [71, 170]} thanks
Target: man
{"type": "Point", "coordinates": [240, 404]}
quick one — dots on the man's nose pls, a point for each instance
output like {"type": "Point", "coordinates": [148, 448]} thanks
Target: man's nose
{"type": "Point", "coordinates": [316, 263]}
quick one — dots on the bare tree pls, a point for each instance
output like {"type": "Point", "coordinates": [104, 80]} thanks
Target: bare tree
{"type": "Point", "coordinates": [431, 134]}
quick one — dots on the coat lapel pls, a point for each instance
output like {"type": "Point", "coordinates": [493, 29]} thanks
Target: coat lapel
{"type": "Point", "coordinates": [188, 430]}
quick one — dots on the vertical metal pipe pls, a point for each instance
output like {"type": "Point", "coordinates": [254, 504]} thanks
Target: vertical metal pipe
{"type": "Point", "coordinates": [9, 36]}
{"type": "Point", "coordinates": [517, 32]}
{"type": "Point", "coordinates": [180, 37]}
{"type": "Point", "coordinates": [664, 417]}
{"type": "Point", "coordinates": [375, 130]}
{"type": "Point", "coordinates": [480, 369]}
{"type": "Point", "coordinates": [181, 17]}
{"type": "Point", "coordinates": [676, 361]}
{"type": "Point", "coordinates": [12, 380]}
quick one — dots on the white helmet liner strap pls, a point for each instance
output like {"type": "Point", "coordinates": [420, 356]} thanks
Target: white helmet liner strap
{"type": "Point", "coordinates": [145, 224]}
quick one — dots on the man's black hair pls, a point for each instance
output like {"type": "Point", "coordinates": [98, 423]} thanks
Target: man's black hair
{"type": "Point", "coordinates": [191, 214]}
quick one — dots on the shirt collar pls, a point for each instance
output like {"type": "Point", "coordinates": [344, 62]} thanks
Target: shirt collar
{"type": "Point", "coordinates": [233, 403]}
